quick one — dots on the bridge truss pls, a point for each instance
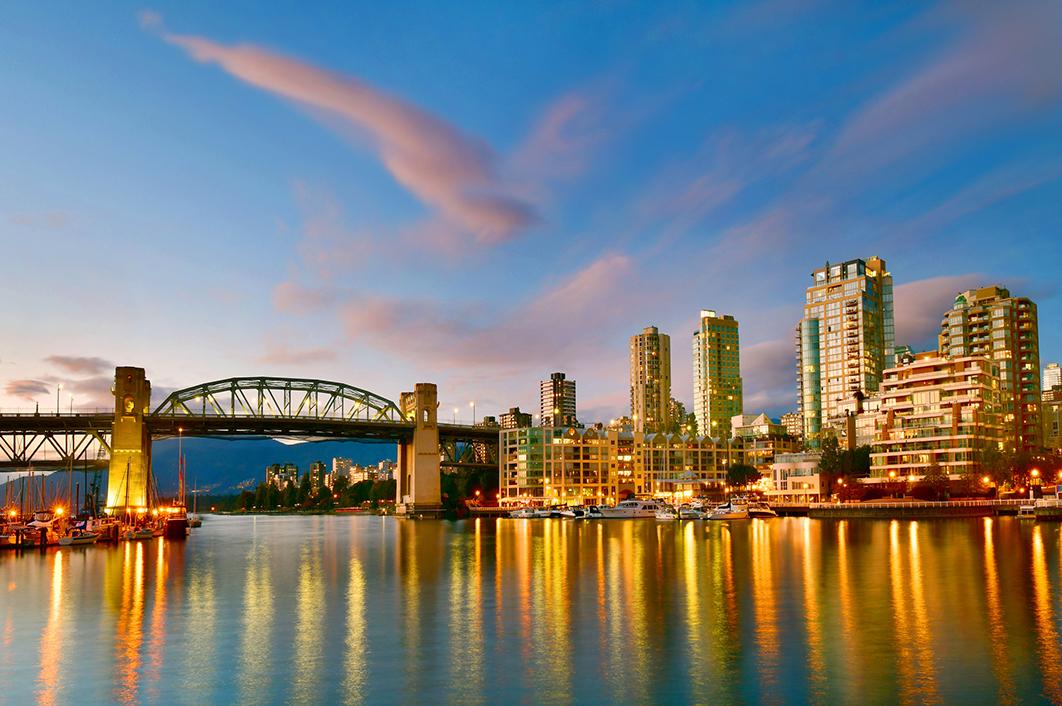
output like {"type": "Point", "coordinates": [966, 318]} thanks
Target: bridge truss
{"type": "Point", "coordinates": [54, 441]}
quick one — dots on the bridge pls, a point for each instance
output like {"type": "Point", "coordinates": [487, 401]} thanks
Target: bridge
{"type": "Point", "coordinates": [249, 407]}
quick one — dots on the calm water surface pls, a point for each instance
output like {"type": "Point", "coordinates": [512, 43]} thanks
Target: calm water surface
{"type": "Point", "coordinates": [374, 610]}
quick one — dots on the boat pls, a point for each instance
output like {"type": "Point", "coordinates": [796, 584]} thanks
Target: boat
{"type": "Point", "coordinates": [667, 513]}
{"type": "Point", "coordinates": [78, 538]}
{"type": "Point", "coordinates": [734, 509]}
{"type": "Point", "coordinates": [522, 513]}
{"type": "Point", "coordinates": [1027, 512]}
{"type": "Point", "coordinates": [758, 508]}
{"type": "Point", "coordinates": [632, 509]}
{"type": "Point", "coordinates": [593, 512]}
{"type": "Point", "coordinates": [689, 512]}
{"type": "Point", "coordinates": [134, 535]}
{"type": "Point", "coordinates": [573, 513]}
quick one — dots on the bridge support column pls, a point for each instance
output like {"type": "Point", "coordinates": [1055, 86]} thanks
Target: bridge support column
{"type": "Point", "coordinates": [129, 475]}
{"type": "Point", "coordinates": [418, 492]}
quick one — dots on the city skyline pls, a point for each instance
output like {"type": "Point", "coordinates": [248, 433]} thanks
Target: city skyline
{"type": "Point", "coordinates": [286, 250]}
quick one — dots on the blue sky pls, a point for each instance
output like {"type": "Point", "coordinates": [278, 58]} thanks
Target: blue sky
{"type": "Point", "coordinates": [478, 194]}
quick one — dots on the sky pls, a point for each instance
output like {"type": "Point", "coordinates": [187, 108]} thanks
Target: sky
{"type": "Point", "coordinates": [477, 194]}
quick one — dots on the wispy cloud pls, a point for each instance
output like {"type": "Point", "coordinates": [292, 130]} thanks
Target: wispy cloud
{"type": "Point", "coordinates": [80, 365]}
{"type": "Point", "coordinates": [441, 165]}
{"type": "Point", "coordinates": [293, 298]}
{"type": "Point", "coordinates": [27, 389]}
{"type": "Point", "coordinates": [920, 305]}
{"type": "Point", "coordinates": [1003, 65]}
{"type": "Point", "coordinates": [282, 354]}
{"type": "Point", "coordinates": [556, 325]}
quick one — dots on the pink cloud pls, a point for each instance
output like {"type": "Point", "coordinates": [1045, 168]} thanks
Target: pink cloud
{"type": "Point", "coordinates": [1004, 65]}
{"type": "Point", "coordinates": [920, 306]}
{"type": "Point", "coordinates": [293, 298]}
{"type": "Point", "coordinates": [79, 365]}
{"type": "Point", "coordinates": [442, 166]}
{"type": "Point", "coordinates": [281, 354]}
{"type": "Point", "coordinates": [555, 326]}
{"type": "Point", "coordinates": [27, 389]}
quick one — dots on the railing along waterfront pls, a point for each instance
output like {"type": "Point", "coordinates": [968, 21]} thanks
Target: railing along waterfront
{"type": "Point", "coordinates": [1009, 502]}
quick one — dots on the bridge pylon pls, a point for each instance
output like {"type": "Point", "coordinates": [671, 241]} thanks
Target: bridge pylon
{"type": "Point", "coordinates": [130, 468]}
{"type": "Point", "coordinates": [417, 487]}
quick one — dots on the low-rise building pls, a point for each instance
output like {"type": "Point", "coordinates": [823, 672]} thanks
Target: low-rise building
{"type": "Point", "coordinates": [282, 474]}
{"type": "Point", "coordinates": [596, 465]}
{"type": "Point", "coordinates": [514, 419]}
{"type": "Point", "coordinates": [794, 477]}
{"type": "Point", "coordinates": [937, 410]}
{"type": "Point", "coordinates": [763, 439]}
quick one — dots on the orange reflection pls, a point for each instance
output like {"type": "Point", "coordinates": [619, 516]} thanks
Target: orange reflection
{"type": "Point", "coordinates": [258, 608]}
{"type": "Point", "coordinates": [994, 611]}
{"type": "Point", "coordinates": [922, 637]}
{"type": "Point", "coordinates": [905, 663]}
{"type": "Point", "coordinates": [130, 632]}
{"type": "Point", "coordinates": [52, 639]}
{"type": "Point", "coordinates": [813, 617]}
{"type": "Point", "coordinates": [1047, 648]}
{"type": "Point", "coordinates": [355, 666]}
{"type": "Point", "coordinates": [763, 593]}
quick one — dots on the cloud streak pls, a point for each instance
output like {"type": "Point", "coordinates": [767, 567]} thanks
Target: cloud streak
{"type": "Point", "coordinates": [80, 365]}
{"type": "Point", "coordinates": [920, 305]}
{"type": "Point", "coordinates": [453, 172]}
{"type": "Point", "coordinates": [27, 389]}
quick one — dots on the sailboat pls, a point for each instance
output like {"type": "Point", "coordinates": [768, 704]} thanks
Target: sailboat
{"type": "Point", "coordinates": [194, 520]}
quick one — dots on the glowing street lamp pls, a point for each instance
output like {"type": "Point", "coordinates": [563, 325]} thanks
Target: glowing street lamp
{"type": "Point", "coordinates": [58, 389]}
{"type": "Point", "coordinates": [472, 404]}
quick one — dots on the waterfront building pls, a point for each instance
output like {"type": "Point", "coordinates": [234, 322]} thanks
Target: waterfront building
{"type": "Point", "coordinates": [990, 322]}
{"type": "Point", "coordinates": [597, 465]}
{"type": "Point", "coordinates": [514, 419]}
{"type": "Point", "coordinates": [794, 477]}
{"type": "Point", "coordinates": [717, 387]}
{"type": "Point", "coordinates": [557, 401]}
{"type": "Point", "coordinates": [650, 353]}
{"type": "Point", "coordinates": [855, 421]}
{"type": "Point", "coordinates": [319, 475]}
{"type": "Point", "coordinates": [1052, 378]}
{"type": "Point", "coordinates": [762, 439]}
{"type": "Point", "coordinates": [341, 467]}
{"type": "Point", "coordinates": [282, 474]}
{"type": "Point", "coordinates": [794, 424]}
{"type": "Point", "coordinates": [845, 340]}
{"type": "Point", "coordinates": [937, 410]}
{"type": "Point", "coordinates": [1051, 413]}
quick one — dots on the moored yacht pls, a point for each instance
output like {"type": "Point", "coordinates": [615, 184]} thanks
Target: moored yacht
{"type": "Point", "coordinates": [734, 509]}
{"type": "Point", "coordinates": [631, 509]}
{"type": "Point", "coordinates": [759, 508]}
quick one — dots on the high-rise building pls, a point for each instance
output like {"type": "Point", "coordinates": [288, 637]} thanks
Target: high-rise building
{"type": "Point", "coordinates": [990, 322]}
{"type": "Point", "coordinates": [651, 380]}
{"type": "Point", "coordinates": [845, 340]}
{"type": "Point", "coordinates": [794, 424]}
{"type": "Point", "coordinates": [514, 419]}
{"type": "Point", "coordinates": [557, 401]}
{"type": "Point", "coordinates": [937, 410]}
{"type": "Point", "coordinates": [717, 389]}
{"type": "Point", "coordinates": [1052, 378]}
{"type": "Point", "coordinates": [1051, 412]}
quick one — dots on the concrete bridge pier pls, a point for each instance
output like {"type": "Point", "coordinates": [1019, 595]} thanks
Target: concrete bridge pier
{"type": "Point", "coordinates": [418, 492]}
{"type": "Point", "coordinates": [130, 468]}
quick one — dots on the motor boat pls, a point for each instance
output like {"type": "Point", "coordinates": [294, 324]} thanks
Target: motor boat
{"type": "Point", "coordinates": [522, 513]}
{"type": "Point", "coordinates": [632, 509]}
{"type": "Point", "coordinates": [593, 512]}
{"type": "Point", "coordinates": [138, 534]}
{"type": "Point", "coordinates": [667, 513]}
{"type": "Point", "coordinates": [759, 508]}
{"type": "Point", "coordinates": [735, 509]}
{"type": "Point", "coordinates": [573, 513]}
{"type": "Point", "coordinates": [78, 538]}
{"type": "Point", "coordinates": [689, 512]}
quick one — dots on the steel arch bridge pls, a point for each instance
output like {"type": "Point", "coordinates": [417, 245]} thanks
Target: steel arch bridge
{"type": "Point", "coordinates": [283, 398]}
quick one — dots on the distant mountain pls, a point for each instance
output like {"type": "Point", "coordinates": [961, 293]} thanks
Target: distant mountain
{"type": "Point", "coordinates": [220, 466]}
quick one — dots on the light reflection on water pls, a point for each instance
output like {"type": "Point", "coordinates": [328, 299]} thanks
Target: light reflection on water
{"type": "Point", "coordinates": [370, 610]}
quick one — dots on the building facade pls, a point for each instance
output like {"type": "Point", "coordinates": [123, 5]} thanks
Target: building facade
{"type": "Point", "coordinates": [1051, 414]}
{"type": "Point", "coordinates": [282, 475]}
{"type": "Point", "coordinates": [1052, 378]}
{"type": "Point", "coordinates": [990, 322]}
{"type": "Point", "coordinates": [514, 419]}
{"type": "Point", "coordinates": [650, 360]}
{"type": "Point", "coordinates": [845, 340]}
{"type": "Point", "coordinates": [762, 439]}
{"type": "Point", "coordinates": [717, 386]}
{"type": "Point", "coordinates": [937, 410]}
{"type": "Point", "coordinates": [794, 424]}
{"type": "Point", "coordinates": [593, 466]}
{"type": "Point", "coordinates": [794, 478]}
{"type": "Point", "coordinates": [557, 401]}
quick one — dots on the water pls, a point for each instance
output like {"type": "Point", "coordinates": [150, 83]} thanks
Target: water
{"type": "Point", "coordinates": [376, 610]}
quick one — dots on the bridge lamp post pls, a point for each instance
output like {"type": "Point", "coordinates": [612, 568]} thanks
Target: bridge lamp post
{"type": "Point", "coordinates": [472, 404]}
{"type": "Point", "coordinates": [455, 415]}
{"type": "Point", "coordinates": [58, 389]}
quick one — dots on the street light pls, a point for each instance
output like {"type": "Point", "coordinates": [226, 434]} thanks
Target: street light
{"type": "Point", "coordinates": [472, 404]}
{"type": "Point", "coordinates": [455, 415]}
{"type": "Point", "coordinates": [58, 389]}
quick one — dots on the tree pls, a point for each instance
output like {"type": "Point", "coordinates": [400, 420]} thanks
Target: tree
{"type": "Point", "coordinates": [742, 474]}
{"type": "Point", "coordinates": [934, 484]}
